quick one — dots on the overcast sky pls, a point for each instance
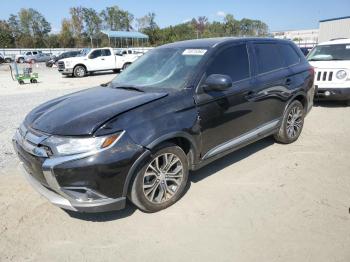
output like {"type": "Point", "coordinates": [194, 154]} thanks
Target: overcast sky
{"type": "Point", "coordinates": [279, 15]}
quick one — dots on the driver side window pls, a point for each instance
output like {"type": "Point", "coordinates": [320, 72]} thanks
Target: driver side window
{"type": "Point", "coordinates": [95, 54]}
{"type": "Point", "coordinates": [232, 61]}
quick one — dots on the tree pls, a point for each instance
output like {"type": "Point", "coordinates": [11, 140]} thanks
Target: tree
{"type": "Point", "coordinates": [34, 27]}
{"type": "Point", "coordinates": [231, 25]}
{"type": "Point", "coordinates": [92, 23]}
{"type": "Point", "coordinates": [14, 27]}
{"type": "Point", "coordinates": [150, 27]}
{"type": "Point", "coordinates": [199, 25]}
{"type": "Point", "coordinates": [66, 35]}
{"type": "Point", "coordinates": [115, 18]}
{"type": "Point", "coordinates": [6, 39]}
{"type": "Point", "coordinates": [77, 21]}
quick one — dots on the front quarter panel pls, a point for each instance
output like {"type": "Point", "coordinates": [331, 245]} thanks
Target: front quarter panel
{"type": "Point", "coordinates": [163, 119]}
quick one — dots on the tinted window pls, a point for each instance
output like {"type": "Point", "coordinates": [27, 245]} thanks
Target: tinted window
{"type": "Point", "coordinates": [106, 52]}
{"type": "Point", "coordinates": [35, 53]}
{"type": "Point", "coordinates": [268, 57]}
{"type": "Point", "coordinates": [289, 55]}
{"type": "Point", "coordinates": [232, 61]}
{"type": "Point", "coordinates": [95, 54]}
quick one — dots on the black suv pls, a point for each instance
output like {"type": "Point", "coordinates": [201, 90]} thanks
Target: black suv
{"type": "Point", "coordinates": [177, 108]}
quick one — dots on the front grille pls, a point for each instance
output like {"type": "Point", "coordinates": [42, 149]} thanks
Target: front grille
{"type": "Point", "coordinates": [60, 65]}
{"type": "Point", "coordinates": [324, 76]}
{"type": "Point", "coordinates": [29, 141]}
{"type": "Point", "coordinates": [32, 164]}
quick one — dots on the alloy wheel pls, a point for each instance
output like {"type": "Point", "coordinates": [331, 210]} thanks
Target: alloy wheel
{"type": "Point", "coordinates": [80, 72]}
{"type": "Point", "coordinates": [162, 178]}
{"type": "Point", "coordinates": [294, 122]}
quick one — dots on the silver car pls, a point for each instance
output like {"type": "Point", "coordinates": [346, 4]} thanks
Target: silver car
{"type": "Point", "coordinates": [36, 56]}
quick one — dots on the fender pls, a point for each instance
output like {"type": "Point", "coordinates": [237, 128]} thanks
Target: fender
{"type": "Point", "coordinates": [148, 152]}
{"type": "Point", "coordinates": [300, 93]}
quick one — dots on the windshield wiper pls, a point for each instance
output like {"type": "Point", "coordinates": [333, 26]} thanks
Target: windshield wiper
{"type": "Point", "coordinates": [126, 87]}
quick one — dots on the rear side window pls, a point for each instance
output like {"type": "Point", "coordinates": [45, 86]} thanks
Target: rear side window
{"type": "Point", "coordinates": [268, 57]}
{"type": "Point", "coordinates": [232, 61]}
{"type": "Point", "coordinates": [289, 55]}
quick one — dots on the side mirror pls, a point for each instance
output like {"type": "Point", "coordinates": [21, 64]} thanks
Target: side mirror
{"type": "Point", "coordinates": [216, 82]}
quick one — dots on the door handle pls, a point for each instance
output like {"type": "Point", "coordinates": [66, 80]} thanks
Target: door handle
{"type": "Point", "coordinates": [250, 95]}
{"type": "Point", "coordinates": [102, 59]}
{"type": "Point", "coordinates": [288, 81]}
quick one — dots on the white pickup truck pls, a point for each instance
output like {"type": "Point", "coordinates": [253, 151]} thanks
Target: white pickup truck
{"type": "Point", "coordinates": [92, 60]}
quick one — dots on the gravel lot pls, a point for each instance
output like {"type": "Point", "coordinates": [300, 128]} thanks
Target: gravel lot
{"type": "Point", "coordinates": [266, 202]}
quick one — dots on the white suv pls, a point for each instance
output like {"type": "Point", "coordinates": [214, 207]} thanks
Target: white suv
{"type": "Point", "coordinates": [331, 61]}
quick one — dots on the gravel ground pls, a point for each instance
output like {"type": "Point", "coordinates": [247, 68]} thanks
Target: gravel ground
{"type": "Point", "coordinates": [266, 202]}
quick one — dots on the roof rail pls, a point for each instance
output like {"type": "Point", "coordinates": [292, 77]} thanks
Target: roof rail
{"type": "Point", "coordinates": [339, 38]}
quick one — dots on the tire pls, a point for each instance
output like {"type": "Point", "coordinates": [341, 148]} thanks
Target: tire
{"type": "Point", "coordinates": [347, 103]}
{"type": "Point", "coordinates": [147, 191]}
{"type": "Point", "coordinates": [79, 71]}
{"type": "Point", "coordinates": [33, 61]}
{"type": "Point", "coordinates": [34, 81]}
{"type": "Point", "coordinates": [126, 65]}
{"type": "Point", "coordinates": [21, 82]}
{"type": "Point", "coordinates": [21, 60]}
{"type": "Point", "coordinates": [292, 123]}
{"type": "Point", "coordinates": [7, 60]}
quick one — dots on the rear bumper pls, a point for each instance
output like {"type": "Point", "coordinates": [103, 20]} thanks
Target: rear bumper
{"type": "Point", "coordinates": [337, 94]}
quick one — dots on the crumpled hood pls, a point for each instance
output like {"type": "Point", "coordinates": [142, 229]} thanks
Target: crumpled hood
{"type": "Point", "coordinates": [83, 112]}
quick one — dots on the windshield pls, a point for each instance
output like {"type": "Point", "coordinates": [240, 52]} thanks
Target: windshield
{"type": "Point", "coordinates": [161, 68]}
{"type": "Point", "coordinates": [84, 52]}
{"type": "Point", "coordinates": [330, 52]}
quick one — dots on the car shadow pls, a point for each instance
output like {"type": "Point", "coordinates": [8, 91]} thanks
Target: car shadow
{"type": "Point", "coordinates": [330, 104]}
{"type": "Point", "coordinates": [195, 176]}
{"type": "Point", "coordinates": [230, 159]}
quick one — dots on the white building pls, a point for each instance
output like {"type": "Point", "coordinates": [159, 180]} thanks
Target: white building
{"type": "Point", "coordinates": [334, 28]}
{"type": "Point", "coordinates": [303, 38]}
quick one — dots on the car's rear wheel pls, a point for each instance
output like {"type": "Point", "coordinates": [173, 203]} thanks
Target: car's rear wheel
{"type": "Point", "coordinates": [161, 181]}
{"type": "Point", "coordinates": [21, 60]}
{"type": "Point", "coordinates": [292, 123]}
{"type": "Point", "coordinates": [7, 60]}
{"type": "Point", "coordinates": [126, 65]}
{"type": "Point", "coordinates": [79, 71]}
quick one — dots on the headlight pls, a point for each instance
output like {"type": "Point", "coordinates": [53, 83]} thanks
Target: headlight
{"type": "Point", "coordinates": [70, 145]}
{"type": "Point", "coordinates": [341, 74]}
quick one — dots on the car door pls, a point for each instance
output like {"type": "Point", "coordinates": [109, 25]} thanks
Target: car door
{"type": "Point", "coordinates": [93, 62]}
{"type": "Point", "coordinates": [270, 83]}
{"type": "Point", "coordinates": [107, 59]}
{"type": "Point", "coordinates": [226, 115]}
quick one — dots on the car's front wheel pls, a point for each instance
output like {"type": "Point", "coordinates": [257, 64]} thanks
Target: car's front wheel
{"type": "Point", "coordinates": [161, 181]}
{"type": "Point", "coordinates": [292, 123]}
{"type": "Point", "coordinates": [79, 71]}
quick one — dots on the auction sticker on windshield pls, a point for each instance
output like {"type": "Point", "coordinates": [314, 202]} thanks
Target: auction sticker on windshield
{"type": "Point", "coordinates": [194, 52]}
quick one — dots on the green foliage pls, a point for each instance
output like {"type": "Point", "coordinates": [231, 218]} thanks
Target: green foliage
{"type": "Point", "coordinates": [29, 28]}
{"type": "Point", "coordinates": [6, 38]}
